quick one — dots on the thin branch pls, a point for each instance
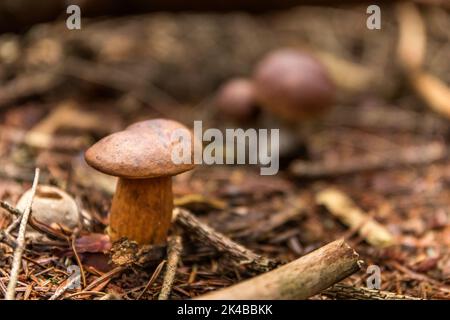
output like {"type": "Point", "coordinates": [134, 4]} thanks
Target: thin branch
{"type": "Point", "coordinates": [10, 293]}
{"type": "Point", "coordinates": [175, 247]}
{"type": "Point", "coordinates": [10, 208]}
{"type": "Point", "coordinates": [343, 291]}
{"type": "Point", "coordinates": [299, 279]}
{"type": "Point", "coordinates": [27, 85]}
{"type": "Point", "coordinates": [222, 243]}
{"type": "Point", "coordinates": [407, 156]}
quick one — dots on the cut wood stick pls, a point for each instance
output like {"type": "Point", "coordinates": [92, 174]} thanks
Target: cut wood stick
{"type": "Point", "coordinates": [175, 247]}
{"type": "Point", "coordinates": [343, 291]}
{"type": "Point", "coordinates": [407, 156]}
{"type": "Point", "coordinates": [299, 279]}
{"type": "Point", "coordinates": [342, 207]}
{"type": "Point", "coordinates": [18, 252]}
{"type": "Point", "coordinates": [222, 243]}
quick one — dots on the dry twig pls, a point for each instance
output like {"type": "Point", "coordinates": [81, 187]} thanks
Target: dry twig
{"type": "Point", "coordinates": [27, 85]}
{"type": "Point", "coordinates": [10, 293]}
{"type": "Point", "coordinates": [299, 279]}
{"type": "Point", "coordinates": [222, 243]}
{"type": "Point", "coordinates": [175, 247]}
{"type": "Point", "coordinates": [415, 155]}
{"type": "Point", "coordinates": [343, 291]}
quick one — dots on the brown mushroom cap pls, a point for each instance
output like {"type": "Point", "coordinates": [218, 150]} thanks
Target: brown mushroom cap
{"type": "Point", "coordinates": [236, 99]}
{"type": "Point", "coordinates": [143, 150]}
{"type": "Point", "coordinates": [293, 84]}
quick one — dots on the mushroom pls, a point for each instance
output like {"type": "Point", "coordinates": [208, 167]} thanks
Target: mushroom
{"type": "Point", "coordinates": [293, 85]}
{"type": "Point", "coordinates": [141, 157]}
{"type": "Point", "coordinates": [236, 100]}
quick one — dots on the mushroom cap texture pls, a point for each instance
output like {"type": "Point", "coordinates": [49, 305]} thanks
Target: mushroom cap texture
{"type": "Point", "coordinates": [143, 150]}
{"type": "Point", "coordinates": [293, 84]}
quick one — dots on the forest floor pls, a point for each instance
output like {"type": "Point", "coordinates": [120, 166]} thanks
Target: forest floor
{"type": "Point", "coordinates": [113, 79]}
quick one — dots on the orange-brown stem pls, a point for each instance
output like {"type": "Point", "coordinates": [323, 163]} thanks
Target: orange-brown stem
{"type": "Point", "coordinates": [141, 210]}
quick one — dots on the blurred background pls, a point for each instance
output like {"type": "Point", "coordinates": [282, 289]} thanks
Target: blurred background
{"type": "Point", "coordinates": [363, 110]}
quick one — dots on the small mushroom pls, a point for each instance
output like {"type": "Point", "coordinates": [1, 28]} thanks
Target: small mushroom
{"type": "Point", "coordinates": [51, 206]}
{"type": "Point", "coordinates": [141, 156]}
{"type": "Point", "coordinates": [293, 85]}
{"type": "Point", "coordinates": [236, 100]}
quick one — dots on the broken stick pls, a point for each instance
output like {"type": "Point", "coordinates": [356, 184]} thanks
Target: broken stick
{"type": "Point", "coordinates": [175, 247]}
{"type": "Point", "coordinates": [222, 243]}
{"type": "Point", "coordinates": [415, 155]}
{"type": "Point", "coordinates": [299, 279]}
{"type": "Point", "coordinates": [341, 206]}
{"type": "Point", "coordinates": [343, 291]}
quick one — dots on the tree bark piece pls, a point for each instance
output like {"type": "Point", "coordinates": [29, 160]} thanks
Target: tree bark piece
{"type": "Point", "coordinates": [299, 279]}
{"type": "Point", "coordinates": [141, 210]}
{"type": "Point", "coordinates": [341, 206]}
{"type": "Point", "coordinates": [222, 243]}
{"type": "Point", "coordinates": [343, 291]}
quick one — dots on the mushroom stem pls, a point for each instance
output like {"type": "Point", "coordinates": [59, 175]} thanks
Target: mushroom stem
{"type": "Point", "coordinates": [141, 210]}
